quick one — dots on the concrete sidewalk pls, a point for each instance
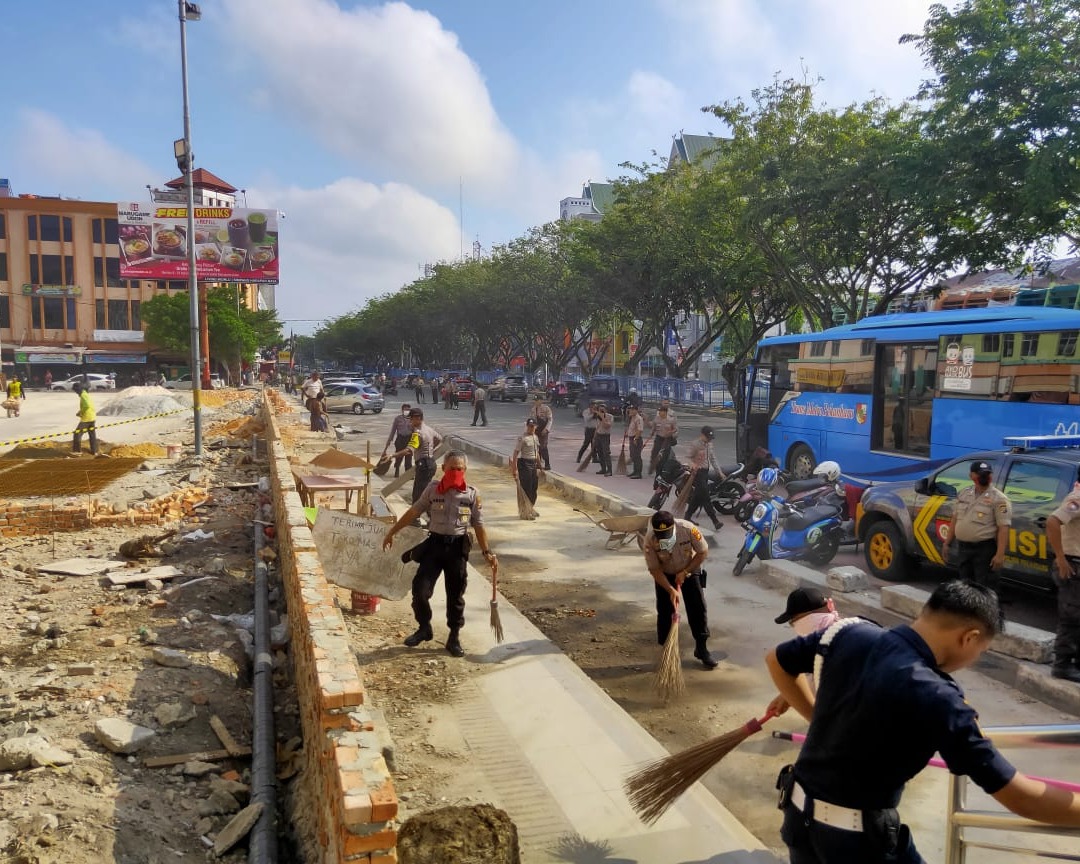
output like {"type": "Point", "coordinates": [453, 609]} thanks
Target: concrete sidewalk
{"type": "Point", "coordinates": [557, 748]}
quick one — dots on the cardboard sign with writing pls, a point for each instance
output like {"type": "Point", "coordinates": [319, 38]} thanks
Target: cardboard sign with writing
{"type": "Point", "coordinates": [351, 550]}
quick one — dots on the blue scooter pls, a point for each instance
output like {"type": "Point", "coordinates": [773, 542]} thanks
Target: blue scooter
{"type": "Point", "coordinates": [780, 530]}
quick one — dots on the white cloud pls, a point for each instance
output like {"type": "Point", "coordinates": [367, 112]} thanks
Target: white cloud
{"type": "Point", "coordinates": [75, 161]}
{"type": "Point", "coordinates": [352, 240]}
{"type": "Point", "coordinates": [852, 44]}
{"type": "Point", "coordinates": [387, 87]}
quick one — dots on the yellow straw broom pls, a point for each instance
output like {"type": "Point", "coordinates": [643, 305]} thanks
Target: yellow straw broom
{"type": "Point", "coordinates": [620, 466]}
{"type": "Point", "coordinates": [496, 623]}
{"type": "Point", "coordinates": [669, 678]}
{"type": "Point", "coordinates": [658, 785]}
{"type": "Point", "coordinates": [679, 510]}
{"type": "Point", "coordinates": [525, 506]}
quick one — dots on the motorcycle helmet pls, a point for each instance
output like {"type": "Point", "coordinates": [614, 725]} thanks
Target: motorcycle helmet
{"type": "Point", "coordinates": [767, 479]}
{"type": "Point", "coordinates": [828, 471]}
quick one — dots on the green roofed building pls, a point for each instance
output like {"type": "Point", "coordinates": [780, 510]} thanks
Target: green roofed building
{"type": "Point", "coordinates": [694, 149]}
{"type": "Point", "coordinates": [595, 199]}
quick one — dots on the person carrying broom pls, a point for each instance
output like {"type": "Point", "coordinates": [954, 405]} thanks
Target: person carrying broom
{"type": "Point", "coordinates": [524, 467]}
{"type": "Point", "coordinates": [885, 702]}
{"type": "Point", "coordinates": [674, 553]}
{"type": "Point", "coordinates": [452, 507]}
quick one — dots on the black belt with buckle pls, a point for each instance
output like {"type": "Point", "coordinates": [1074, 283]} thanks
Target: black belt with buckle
{"type": "Point", "coordinates": [977, 542]}
{"type": "Point", "coordinates": [447, 538]}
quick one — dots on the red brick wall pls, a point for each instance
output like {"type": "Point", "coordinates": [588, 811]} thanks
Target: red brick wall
{"type": "Point", "coordinates": [345, 774]}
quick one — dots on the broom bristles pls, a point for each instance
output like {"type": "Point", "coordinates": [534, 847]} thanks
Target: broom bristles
{"type": "Point", "coordinates": [585, 462]}
{"type": "Point", "coordinates": [669, 678]}
{"type": "Point", "coordinates": [620, 466]}
{"type": "Point", "coordinates": [496, 623]}
{"type": "Point", "coordinates": [654, 788]}
{"type": "Point", "coordinates": [684, 496]}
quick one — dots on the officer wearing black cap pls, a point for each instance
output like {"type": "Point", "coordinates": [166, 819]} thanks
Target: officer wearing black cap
{"type": "Point", "coordinates": [674, 552]}
{"type": "Point", "coordinates": [885, 703]}
{"type": "Point", "coordinates": [702, 461]}
{"type": "Point", "coordinates": [980, 524]}
{"type": "Point", "coordinates": [422, 443]}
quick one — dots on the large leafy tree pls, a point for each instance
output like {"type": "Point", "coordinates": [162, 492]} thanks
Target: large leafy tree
{"type": "Point", "coordinates": [832, 199]}
{"type": "Point", "coordinates": [236, 333]}
{"type": "Point", "coordinates": [1003, 116]}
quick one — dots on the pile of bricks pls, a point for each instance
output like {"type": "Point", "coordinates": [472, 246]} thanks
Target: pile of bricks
{"type": "Point", "coordinates": [28, 519]}
{"type": "Point", "coordinates": [345, 772]}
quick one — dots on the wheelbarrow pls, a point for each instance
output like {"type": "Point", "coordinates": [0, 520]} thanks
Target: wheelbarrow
{"type": "Point", "coordinates": [622, 530]}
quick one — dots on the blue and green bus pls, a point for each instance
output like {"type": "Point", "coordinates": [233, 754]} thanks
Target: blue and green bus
{"type": "Point", "coordinates": [893, 396]}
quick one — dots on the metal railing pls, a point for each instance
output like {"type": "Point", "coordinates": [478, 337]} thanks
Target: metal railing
{"type": "Point", "coordinates": [960, 818]}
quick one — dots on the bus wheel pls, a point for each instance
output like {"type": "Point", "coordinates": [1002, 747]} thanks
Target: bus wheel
{"type": "Point", "coordinates": [885, 554]}
{"type": "Point", "coordinates": [800, 462]}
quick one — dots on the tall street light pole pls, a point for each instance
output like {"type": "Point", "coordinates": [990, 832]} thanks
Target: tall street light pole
{"type": "Point", "coordinates": [185, 159]}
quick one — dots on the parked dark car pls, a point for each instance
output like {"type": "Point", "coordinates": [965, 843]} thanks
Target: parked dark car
{"type": "Point", "coordinates": [601, 388]}
{"type": "Point", "coordinates": [508, 388]}
{"type": "Point", "coordinates": [573, 390]}
{"type": "Point", "coordinates": [904, 523]}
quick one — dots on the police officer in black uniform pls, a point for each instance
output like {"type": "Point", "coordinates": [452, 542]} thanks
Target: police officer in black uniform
{"type": "Point", "coordinates": [885, 703]}
{"type": "Point", "coordinates": [453, 507]}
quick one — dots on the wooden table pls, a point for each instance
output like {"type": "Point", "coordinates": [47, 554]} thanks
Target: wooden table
{"type": "Point", "coordinates": [308, 484]}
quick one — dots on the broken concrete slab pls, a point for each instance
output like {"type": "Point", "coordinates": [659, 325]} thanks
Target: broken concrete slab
{"type": "Point", "coordinates": [80, 566]}
{"type": "Point", "coordinates": [136, 577]}
{"type": "Point", "coordinates": [120, 736]}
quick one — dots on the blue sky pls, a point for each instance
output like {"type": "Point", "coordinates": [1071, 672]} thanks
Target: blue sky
{"type": "Point", "coordinates": [375, 126]}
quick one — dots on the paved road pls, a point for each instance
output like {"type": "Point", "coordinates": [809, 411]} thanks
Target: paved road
{"type": "Point", "coordinates": [506, 420]}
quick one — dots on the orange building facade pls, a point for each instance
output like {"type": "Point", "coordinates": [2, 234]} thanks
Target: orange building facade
{"type": "Point", "coordinates": [63, 307]}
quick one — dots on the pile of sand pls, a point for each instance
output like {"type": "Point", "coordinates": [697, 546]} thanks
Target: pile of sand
{"type": "Point", "coordinates": [142, 402]}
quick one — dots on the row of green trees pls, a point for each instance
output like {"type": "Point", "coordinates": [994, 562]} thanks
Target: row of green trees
{"type": "Point", "coordinates": [801, 211]}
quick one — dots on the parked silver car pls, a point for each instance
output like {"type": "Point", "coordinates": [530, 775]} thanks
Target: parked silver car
{"type": "Point", "coordinates": [358, 398]}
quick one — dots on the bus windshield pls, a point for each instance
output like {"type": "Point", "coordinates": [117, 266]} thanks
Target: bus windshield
{"type": "Point", "coordinates": [893, 396]}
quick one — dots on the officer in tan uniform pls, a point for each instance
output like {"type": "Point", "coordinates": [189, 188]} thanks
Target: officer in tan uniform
{"type": "Point", "coordinates": [635, 429]}
{"type": "Point", "coordinates": [665, 430]}
{"type": "Point", "coordinates": [422, 443]}
{"type": "Point", "coordinates": [1063, 532]}
{"type": "Point", "coordinates": [545, 421]}
{"type": "Point", "coordinates": [980, 526]}
{"type": "Point", "coordinates": [453, 507]}
{"type": "Point", "coordinates": [674, 552]}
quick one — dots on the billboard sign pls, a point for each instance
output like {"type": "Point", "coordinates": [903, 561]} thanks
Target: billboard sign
{"type": "Point", "coordinates": [232, 244]}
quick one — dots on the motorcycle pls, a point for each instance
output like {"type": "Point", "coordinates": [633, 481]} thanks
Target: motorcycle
{"type": "Point", "coordinates": [809, 530]}
{"type": "Point", "coordinates": [670, 474]}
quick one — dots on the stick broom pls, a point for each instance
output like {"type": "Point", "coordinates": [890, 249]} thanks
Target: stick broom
{"type": "Point", "coordinates": [679, 510]}
{"type": "Point", "coordinates": [585, 462]}
{"type": "Point", "coordinates": [658, 785]}
{"type": "Point", "coordinates": [669, 678]}
{"type": "Point", "coordinates": [496, 623]}
{"type": "Point", "coordinates": [620, 467]}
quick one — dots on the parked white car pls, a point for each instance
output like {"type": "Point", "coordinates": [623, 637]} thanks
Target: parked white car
{"type": "Point", "coordinates": [184, 382]}
{"type": "Point", "coordinates": [96, 381]}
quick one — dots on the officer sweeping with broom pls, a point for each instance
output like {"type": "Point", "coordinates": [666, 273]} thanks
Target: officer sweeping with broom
{"type": "Point", "coordinates": [675, 551]}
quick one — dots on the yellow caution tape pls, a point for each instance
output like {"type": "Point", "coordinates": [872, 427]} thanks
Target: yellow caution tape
{"type": "Point", "coordinates": [88, 429]}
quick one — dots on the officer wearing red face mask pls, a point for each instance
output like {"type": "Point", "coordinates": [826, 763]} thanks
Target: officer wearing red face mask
{"type": "Point", "coordinates": [452, 507]}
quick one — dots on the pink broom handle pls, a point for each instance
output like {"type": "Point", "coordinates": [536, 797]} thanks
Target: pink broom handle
{"type": "Point", "coordinates": [798, 738]}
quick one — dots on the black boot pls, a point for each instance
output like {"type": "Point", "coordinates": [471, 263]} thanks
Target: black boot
{"type": "Point", "coordinates": [702, 654]}
{"type": "Point", "coordinates": [453, 646]}
{"type": "Point", "coordinates": [1066, 673]}
{"type": "Point", "coordinates": [422, 634]}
